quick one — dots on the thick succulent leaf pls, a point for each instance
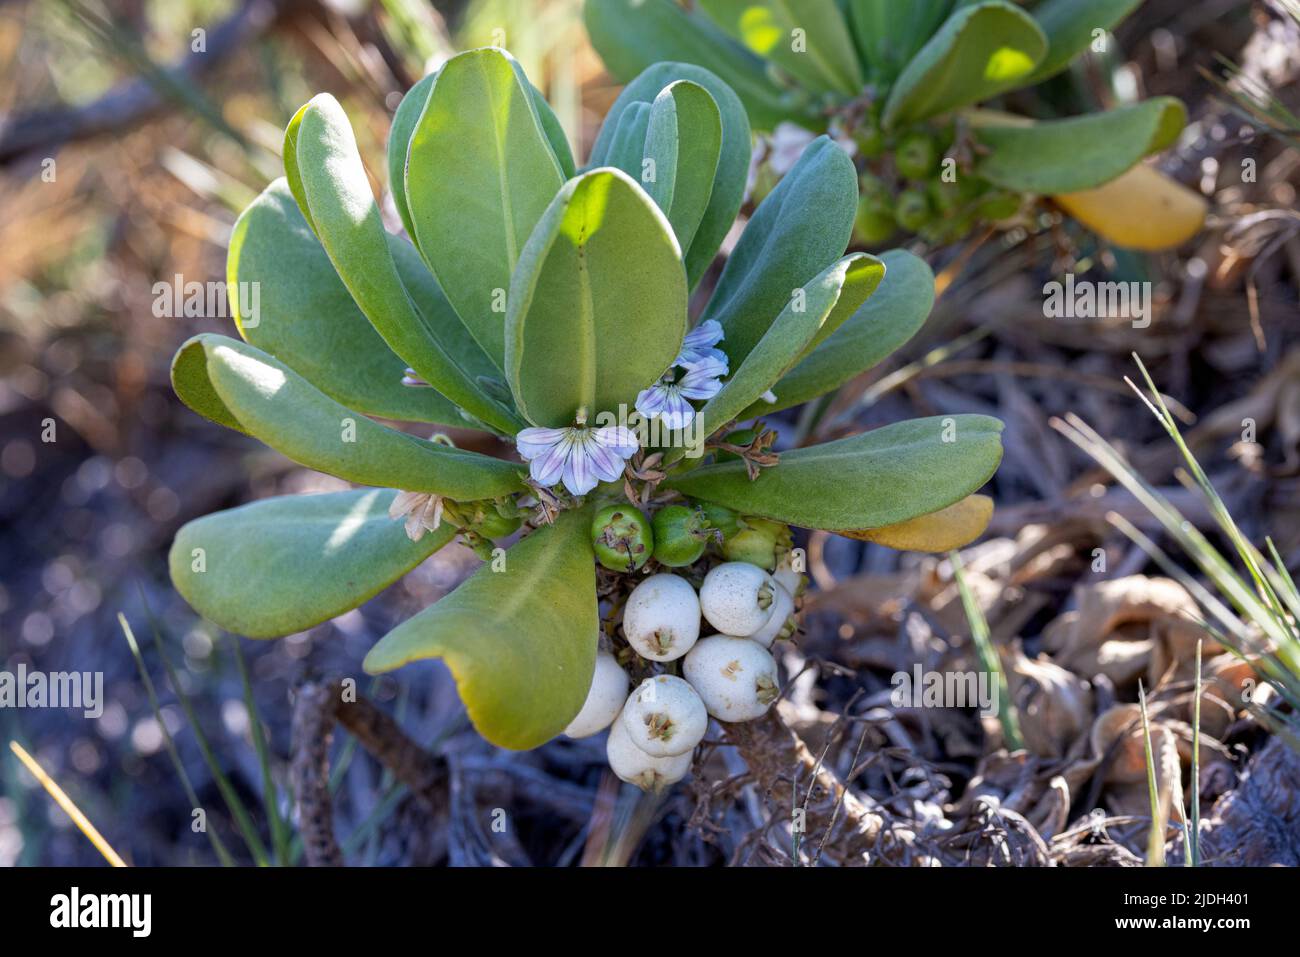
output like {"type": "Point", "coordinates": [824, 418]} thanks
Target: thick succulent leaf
{"type": "Point", "coordinates": [626, 148]}
{"type": "Point", "coordinates": [399, 142]}
{"type": "Point", "coordinates": [893, 314]}
{"type": "Point", "coordinates": [797, 231]}
{"type": "Point", "coordinates": [888, 33]}
{"type": "Point", "coordinates": [290, 156]}
{"type": "Point", "coordinates": [440, 319]}
{"type": "Point", "coordinates": [842, 287]}
{"type": "Point", "coordinates": [306, 318]}
{"type": "Point", "coordinates": [350, 228]}
{"type": "Point", "coordinates": [555, 134]}
{"type": "Point", "coordinates": [1063, 156]}
{"type": "Point", "coordinates": [878, 478]}
{"type": "Point", "coordinates": [282, 565]}
{"type": "Point", "coordinates": [822, 57]}
{"type": "Point", "coordinates": [598, 303]}
{"type": "Point", "coordinates": [1069, 26]}
{"type": "Point", "coordinates": [682, 146]}
{"type": "Point", "coordinates": [636, 36]}
{"type": "Point", "coordinates": [230, 381]}
{"type": "Point", "coordinates": [953, 527]}
{"type": "Point", "coordinates": [521, 642]}
{"type": "Point", "coordinates": [479, 175]}
{"type": "Point", "coordinates": [728, 189]}
{"type": "Point", "coordinates": [980, 51]}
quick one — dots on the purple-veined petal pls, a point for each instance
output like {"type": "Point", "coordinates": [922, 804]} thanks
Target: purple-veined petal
{"type": "Point", "coordinates": [699, 342]}
{"type": "Point", "coordinates": [605, 462]}
{"type": "Point", "coordinates": [579, 476]}
{"type": "Point", "coordinates": [617, 438]}
{"type": "Point", "coordinates": [534, 442]}
{"type": "Point", "coordinates": [548, 467]}
{"type": "Point", "coordinates": [651, 402]}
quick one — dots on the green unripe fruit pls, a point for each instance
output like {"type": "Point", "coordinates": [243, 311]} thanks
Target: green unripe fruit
{"type": "Point", "coordinates": [491, 522]}
{"type": "Point", "coordinates": [681, 535]}
{"type": "Point", "coordinates": [870, 140]}
{"type": "Point", "coordinates": [622, 538]}
{"type": "Point", "coordinates": [871, 186]}
{"type": "Point", "coordinates": [999, 205]}
{"type": "Point", "coordinates": [945, 196]}
{"type": "Point", "coordinates": [759, 541]}
{"type": "Point", "coordinates": [917, 156]}
{"type": "Point", "coordinates": [874, 223]}
{"type": "Point", "coordinates": [912, 210]}
{"type": "Point", "coordinates": [723, 520]}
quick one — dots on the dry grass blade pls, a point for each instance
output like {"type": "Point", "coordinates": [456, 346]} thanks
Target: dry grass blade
{"type": "Point", "coordinates": [69, 808]}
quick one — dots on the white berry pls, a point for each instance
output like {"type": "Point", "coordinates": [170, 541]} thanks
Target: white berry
{"type": "Point", "coordinates": [665, 717]}
{"type": "Point", "coordinates": [786, 576]}
{"type": "Point", "coordinates": [605, 698]}
{"type": "Point", "coordinates": [781, 624]}
{"type": "Point", "coordinates": [735, 677]}
{"type": "Point", "coordinates": [662, 618]}
{"type": "Point", "coordinates": [634, 766]}
{"type": "Point", "coordinates": [737, 598]}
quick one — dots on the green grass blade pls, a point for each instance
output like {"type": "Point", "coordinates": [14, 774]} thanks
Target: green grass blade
{"type": "Point", "coordinates": [280, 832]}
{"type": "Point", "coordinates": [218, 847]}
{"type": "Point", "coordinates": [1194, 848]}
{"type": "Point", "coordinates": [1008, 717]}
{"type": "Point", "coordinates": [1156, 837]}
{"type": "Point", "coordinates": [243, 820]}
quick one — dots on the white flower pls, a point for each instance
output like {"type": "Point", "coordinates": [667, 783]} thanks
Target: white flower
{"type": "Point", "coordinates": [580, 457]}
{"type": "Point", "coordinates": [699, 345]}
{"type": "Point", "coordinates": [422, 511]}
{"type": "Point", "coordinates": [667, 400]}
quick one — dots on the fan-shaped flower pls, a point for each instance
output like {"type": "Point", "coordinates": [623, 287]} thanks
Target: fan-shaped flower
{"type": "Point", "coordinates": [578, 456]}
{"type": "Point", "coordinates": [667, 400]}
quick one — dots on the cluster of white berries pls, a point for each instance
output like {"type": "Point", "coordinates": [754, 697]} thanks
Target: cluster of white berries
{"type": "Point", "coordinates": [730, 676]}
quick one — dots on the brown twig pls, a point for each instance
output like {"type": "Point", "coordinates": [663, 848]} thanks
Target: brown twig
{"type": "Point", "coordinates": [317, 707]}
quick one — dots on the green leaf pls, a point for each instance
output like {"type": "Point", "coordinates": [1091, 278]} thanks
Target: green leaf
{"type": "Point", "coordinates": [888, 33]}
{"type": "Point", "coordinates": [305, 316]}
{"type": "Point", "coordinates": [283, 565]}
{"type": "Point", "coordinates": [980, 51]}
{"type": "Point", "coordinates": [893, 314]}
{"type": "Point", "coordinates": [1065, 156]}
{"type": "Point", "coordinates": [635, 36]}
{"type": "Point", "coordinates": [521, 642]}
{"type": "Point", "coordinates": [797, 231]}
{"type": "Point", "coordinates": [351, 230]}
{"type": "Point", "coordinates": [824, 62]}
{"type": "Point", "coordinates": [878, 478]}
{"type": "Point", "coordinates": [626, 149]}
{"type": "Point", "coordinates": [728, 190]}
{"type": "Point", "coordinates": [555, 134]}
{"type": "Point", "coordinates": [291, 171]}
{"type": "Point", "coordinates": [229, 381]}
{"type": "Point", "coordinates": [1069, 26]}
{"type": "Point", "coordinates": [684, 141]}
{"type": "Point", "coordinates": [842, 288]}
{"type": "Point", "coordinates": [399, 142]}
{"type": "Point", "coordinates": [440, 320]}
{"type": "Point", "coordinates": [479, 175]}
{"type": "Point", "coordinates": [598, 303]}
